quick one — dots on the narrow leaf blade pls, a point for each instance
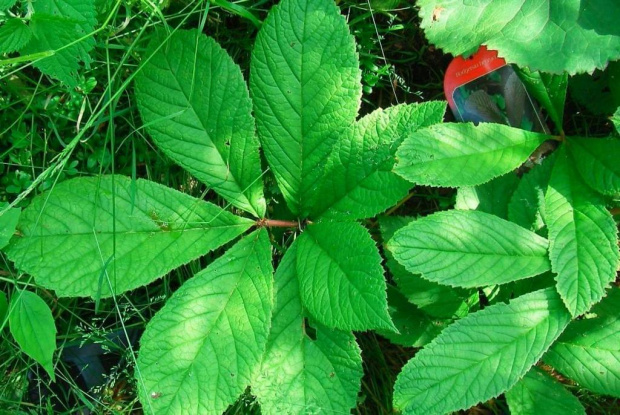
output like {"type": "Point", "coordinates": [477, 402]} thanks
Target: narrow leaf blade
{"type": "Point", "coordinates": [583, 240]}
{"type": "Point", "coordinates": [200, 352]}
{"type": "Point", "coordinates": [451, 154]}
{"type": "Point", "coordinates": [301, 375]}
{"type": "Point", "coordinates": [469, 249]}
{"type": "Point", "coordinates": [340, 276]}
{"type": "Point", "coordinates": [305, 84]}
{"type": "Point", "coordinates": [197, 108]}
{"type": "Point", "coordinates": [32, 326]}
{"type": "Point", "coordinates": [466, 364]}
{"type": "Point", "coordinates": [89, 236]}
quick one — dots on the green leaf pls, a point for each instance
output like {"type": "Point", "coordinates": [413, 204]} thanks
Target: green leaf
{"type": "Point", "coordinates": [589, 351]}
{"type": "Point", "coordinates": [454, 155]}
{"type": "Point", "coordinates": [597, 161]}
{"type": "Point", "coordinates": [56, 25]}
{"type": "Point", "coordinates": [599, 92]}
{"type": "Point", "coordinates": [549, 90]}
{"type": "Point", "coordinates": [415, 328]}
{"type": "Point", "coordinates": [527, 204]}
{"type": "Point", "coordinates": [32, 326]}
{"type": "Point", "coordinates": [340, 276]}
{"type": "Point", "coordinates": [8, 222]}
{"type": "Point", "coordinates": [90, 235]}
{"type": "Point", "coordinates": [469, 249]}
{"type": "Point", "coordinates": [305, 84]}
{"type": "Point", "coordinates": [14, 34]}
{"type": "Point", "coordinates": [196, 106]}
{"type": "Point", "coordinates": [491, 197]}
{"type": "Point", "coordinates": [200, 352]}
{"type": "Point", "coordinates": [467, 363]}
{"type": "Point", "coordinates": [583, 240]}
{"type": "Point", "coordinates": [538, 393]}
{"type": "Point", "coordinates": [5, 4]}
{"type": "Point", "coordinates": [300, 374]}
{"type": "Point", "coordinates": [436, 300]}
{"type": "Point", "coordinates": [359, 181]}
{"type": "Point", "coordinates": [537, 34]}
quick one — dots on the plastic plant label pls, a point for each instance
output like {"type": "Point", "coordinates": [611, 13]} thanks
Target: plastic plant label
{"type": "Point", "coordinates": [483, 88]}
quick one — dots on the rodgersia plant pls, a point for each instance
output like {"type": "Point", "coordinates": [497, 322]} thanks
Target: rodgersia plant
{"type": "Point", "coordinates": [541, 250]}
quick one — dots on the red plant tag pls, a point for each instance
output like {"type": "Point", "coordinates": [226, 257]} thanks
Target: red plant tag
{"type": "Point", "coordinates": [483, 88]}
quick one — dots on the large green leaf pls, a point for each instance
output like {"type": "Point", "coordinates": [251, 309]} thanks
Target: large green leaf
{"type": "Point", "coordinates": [437, 300]}
{"type": "Point", "coordinates": [359, 182]}
{"type": "Point", "coordinates": [57, 25]}
{"type": "Point", "coordinates": [305, 84]}
{"type": "Point", "coordinates": [88, 236]}
{"type": "Point", "coordinates": [32, 326]}
{"type": "Point", "coordinates": [480, 356]}
{"type": "Point", "coordinates": [14, 34]}
{"type": "Point", "coordinates": [303, 373]}
{"type": "Point", "coordinates": [469, 248]}
{"type": "Point", "coordinates": [200, 352]}
{"type": "Point", "coordinates": [455, 155]}
{"type": "Point", "coordinates": [583, 240]}
{"type": "Point", "coordinates": [598, 162]}
{"type": "Point", "coordinates": [589, 351]}
{"type": "Point", "coordinates": [491, 197]}
{"type": "Point", "coordinates": [539, 393]}
{"type": "Point", "coordinates": [340, 276]}
{"type": "Point", "coordinates": [545, 35]}
{"type": "Point", "coordinates": [197, 108]}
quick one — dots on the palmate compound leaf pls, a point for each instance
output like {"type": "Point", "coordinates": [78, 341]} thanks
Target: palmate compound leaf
{"type": "Point", "coordinates": [458, 154]}
{"type": "Point", "coordinates": [201, 351]}
{"type": "Point", "coordinates": [32, 326]}
{"type": "Point", "coordinates": [543, 35]}
{"type": "Point", "coordinates": [481, 355]}
{"type": "Point", "coordinates": [359, 180]}
{"type": "Point", "coordinates": [468, 249]}
{"type": "Point", "coordinates": [538, 393]}
{"type": "Point", "coordinates": [340, 277]}
{"type": "Point", "coordinates": [583, 240]}
{"type": "Point", "coordinates": [304, 374]}
{"type": "Point", "coordinates": [306, 87]}
{"type": "Point", "coordinates": [196, 107]}
{"type": "Point", "coordinates": [90, 235]}
{"type": "Point", "coordinates": [598, 162]}
{"type": "Point", "coordinates": [56, 26]}
{"type": "Point", "coordinates": [589, 351]}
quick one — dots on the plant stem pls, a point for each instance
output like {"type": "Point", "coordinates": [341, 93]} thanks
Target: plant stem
{"type": "Point", "coordinates": [276, 223]}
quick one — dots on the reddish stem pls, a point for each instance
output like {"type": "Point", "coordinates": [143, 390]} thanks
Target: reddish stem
{"type": "Point", "coordinates": [276, 223]}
